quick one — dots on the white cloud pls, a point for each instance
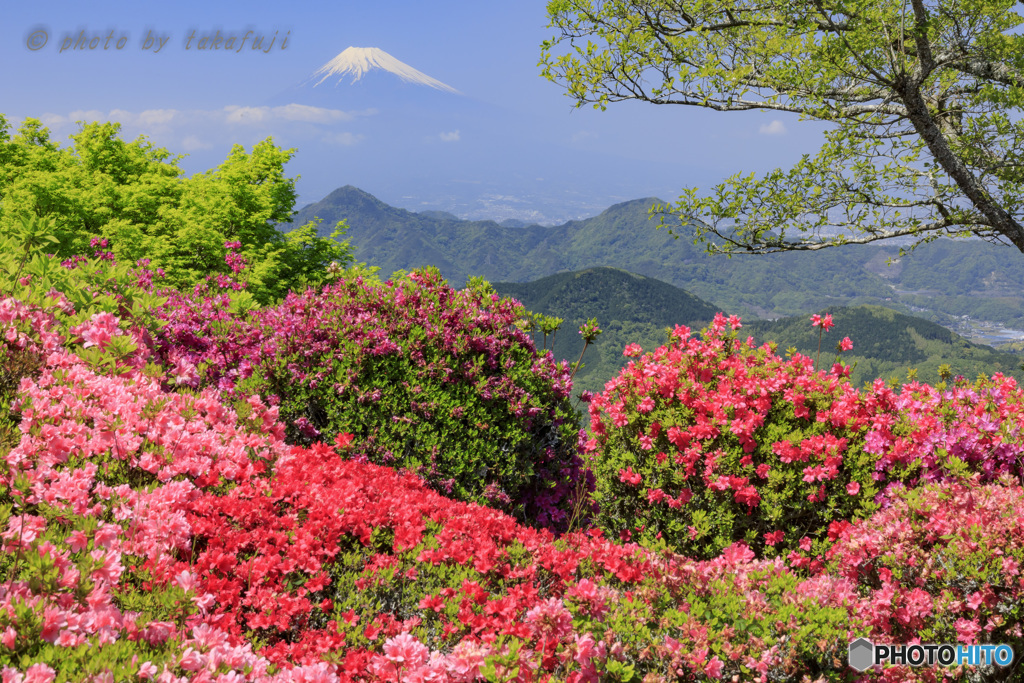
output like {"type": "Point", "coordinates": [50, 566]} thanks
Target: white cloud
{"type": "Point", "coordinates": [152, 117]}
{"type": "Point", "coordinates": [51, 120]}
{"type": "Point", "coordinates": [192, 143]}
{"type": "Point", "coordinates": [450, 137]}
{"type": "Point", "coordinates": [198, 129]}
{"type": "Point", "coordinates": [233, 114]}
{"type": "Point", "coordinates": [776, 127]}
{"type": "Point", "coordinates": [289, 112]}
{"type": "Point", "coordinates": [342, 138]}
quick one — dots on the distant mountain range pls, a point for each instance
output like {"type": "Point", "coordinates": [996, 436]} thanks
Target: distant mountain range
{"type": "Point", "coordinates": [940, 281]}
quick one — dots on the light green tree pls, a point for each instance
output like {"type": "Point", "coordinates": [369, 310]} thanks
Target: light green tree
{"type": "Point", "coordinates": [137, 197]}
{"type": "Point", "coordinates": [924, 98]}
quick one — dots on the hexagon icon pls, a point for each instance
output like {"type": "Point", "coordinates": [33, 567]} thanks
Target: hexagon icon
{"type": "Point", "coordinates": [862, 654]}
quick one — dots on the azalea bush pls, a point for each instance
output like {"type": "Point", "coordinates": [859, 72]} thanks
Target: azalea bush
{"type": "Point", "coordinates": [444, 383]}
{"type": "Point", "coordinates": [709, 441]}
{"type": "Point", "coordinates": [947, 559]}
{"type": "Point", "coordinates": [706, 442]}
{"type": "Point", "coordinates": [142, 538]}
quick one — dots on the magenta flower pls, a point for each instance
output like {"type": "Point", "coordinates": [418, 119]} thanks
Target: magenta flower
{"type": "Point", "coordinates": [825, 323]}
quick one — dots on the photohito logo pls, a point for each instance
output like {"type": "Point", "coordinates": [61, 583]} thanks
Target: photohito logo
{"type": "Point", "coordinates": [864, 654]}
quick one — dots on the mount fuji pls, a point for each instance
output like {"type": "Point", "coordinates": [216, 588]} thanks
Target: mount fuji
{"type": "Point", "coordinates": [358, 61]}
{"type": "Point", "coordinates": [369, 77]}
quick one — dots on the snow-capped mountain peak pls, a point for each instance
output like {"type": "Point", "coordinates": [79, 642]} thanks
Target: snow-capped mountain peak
{"type": "Point", "coordinates": [358, 61]}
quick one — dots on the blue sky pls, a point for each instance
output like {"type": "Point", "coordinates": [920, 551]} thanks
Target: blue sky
{"type": "Point", "coordinates": [525, 141]}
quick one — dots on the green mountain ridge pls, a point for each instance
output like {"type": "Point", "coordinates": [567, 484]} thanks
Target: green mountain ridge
{"type": "Point", "coordinates": [622, 236]}
{"type": "Point", "coordinates": [630, 308]}
{"type": "Point", "coordinates": [633, 308]}
{"type": "Point", "coordinates": [942, 281]}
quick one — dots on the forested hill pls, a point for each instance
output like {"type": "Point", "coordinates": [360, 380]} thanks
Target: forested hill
{"type": "Point", "coordinates": [635, 309]}
{"type": "Point", "coordinates": [609, 294]}
{"type": "Point", "coordinates": [622, 237]}
{"type": "Point", "coordinates": [887, 344]}
{"type": "Point", "coordinates": [947, 278]}
{"type": "Point", "coordinates": [630, 308]}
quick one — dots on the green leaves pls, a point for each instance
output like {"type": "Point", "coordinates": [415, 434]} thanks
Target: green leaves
{"type": "Point", "coordinates": [135, 195]}
{"type": "Point", "coordinates": [924, 99]}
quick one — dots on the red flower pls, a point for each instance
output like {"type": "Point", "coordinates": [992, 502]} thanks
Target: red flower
{"type": "Point", "coordinates": [825, 323]}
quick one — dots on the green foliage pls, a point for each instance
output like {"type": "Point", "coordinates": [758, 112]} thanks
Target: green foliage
{"type": "Point", "coordinates": [135, 195]}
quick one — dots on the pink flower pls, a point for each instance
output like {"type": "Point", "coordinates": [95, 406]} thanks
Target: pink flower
{"type": "Point", "coordinates": [39, 673]}
{"type": "Point", "coordinates": [774, 537]}
{"type": "Point", "coordinates": [853, 488]}
{"type": "Point", "coordinates": [77, 541]}
{"type": "Point", "coordinates": [191, 660]}
{"type": "Point", "coordinates": [405, 649]}
{"type": "Point", "coordinates": [967, 631]}
{"type": "Point", "coordinates": [846, 344]}
{"type": "Point", "coordinates": [550, 619]}
{"type": "Point", "coordinates": [632, 351]}
{"type": "Point", "coordinates": [738, 552]}
{"type": "Point", "coordinates": [714, 667]}
{"type": "Point", "coordinates": [628, 476]}
{"type": "Point", "coordinates": [466, 659]}
{"type": "Point", "coordinates": [805, 544]}
{"type": "Point", "coordinates": [825, 323]}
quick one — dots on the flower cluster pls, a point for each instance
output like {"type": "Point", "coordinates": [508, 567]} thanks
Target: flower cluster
{"type": "Point", "coordinates": [143, 527]}
{"type": "Point", "coordinates": [155, 524]}
{"type": "Point", "coordinates": [711, 441]}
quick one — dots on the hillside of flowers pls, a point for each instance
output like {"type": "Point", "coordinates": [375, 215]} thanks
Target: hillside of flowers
{"type": "Point", "coordinates": [382, 481]}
